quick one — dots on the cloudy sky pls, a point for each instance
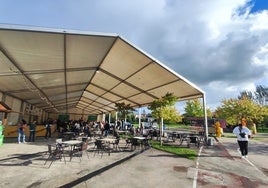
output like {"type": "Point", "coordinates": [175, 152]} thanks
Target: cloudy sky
{"type": "Point", "coordinates": [220, 45]}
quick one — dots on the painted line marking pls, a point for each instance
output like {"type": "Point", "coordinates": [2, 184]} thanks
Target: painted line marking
{"type": "Point", "coordinates": [256, 168]}
{"type": "Point", "coordinates": [197, 167]}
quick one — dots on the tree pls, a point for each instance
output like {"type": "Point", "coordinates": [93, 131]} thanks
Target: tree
{"type": "Point", "coordinates": [124, 109]}
{"type": "Point", "coordinates": [261, 94]}
{"type": "Point", "coordinates": [193, 108]}
{"type": "Point", "coordinates": [233, 110]}
{"type": "Point", "coordinates": [164, 108]}
{"type": "Point", "coordinates": [247, 94]}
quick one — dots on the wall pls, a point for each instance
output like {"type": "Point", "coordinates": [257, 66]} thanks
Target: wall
{"type": "Point", "coordinates": [12, 131]}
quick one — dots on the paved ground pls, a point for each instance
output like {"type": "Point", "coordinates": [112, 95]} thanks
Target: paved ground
{"type": "Point", "coordinates": [22, 165]}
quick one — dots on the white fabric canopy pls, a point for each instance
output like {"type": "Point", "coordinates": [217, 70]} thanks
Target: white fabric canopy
{"type": "Point", "coordinates": [62, 70]}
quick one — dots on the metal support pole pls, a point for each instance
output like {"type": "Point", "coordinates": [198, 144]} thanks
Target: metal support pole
{"type": "Point", "coordinates": [205, 115]}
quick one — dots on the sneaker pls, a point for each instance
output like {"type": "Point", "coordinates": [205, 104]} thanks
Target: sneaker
{"type": "Point", "coordinates": [243, 157]}
{"type": "Point", "coordinates": [19, 142]}
{"type": "Point", "coordinates": [24, 142]}
{"type": "Point", "coordinates": [246, 156]}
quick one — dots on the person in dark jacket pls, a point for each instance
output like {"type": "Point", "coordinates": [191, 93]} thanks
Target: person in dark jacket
{"type": "Point", "coordinates": [48, 129]}
{"type": "Point", "coordinates": [107, 129]}
{"type": "Point", "coordinates": [32, 127]}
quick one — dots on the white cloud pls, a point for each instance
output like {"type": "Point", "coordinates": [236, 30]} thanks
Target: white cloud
{"type": "Point", "coordinates": [219, 45]}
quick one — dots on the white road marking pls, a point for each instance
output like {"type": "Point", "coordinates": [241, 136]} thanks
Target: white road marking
{"type": "Point", "coordinates": [196, 167]}
{"type": "Point", "coordinates": [253, 165]}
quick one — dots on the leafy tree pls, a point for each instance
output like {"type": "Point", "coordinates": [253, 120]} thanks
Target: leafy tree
{"type": "Point", "coordinates": [194, 108]}
{"type": "Point", "coordinates": [209, 113]}
{"type": "Point", "coordinates": [233, 110]}
{"type": "Point", "coordinates": [123, 109]}
{"type": "Point", "coordinates": [164, 108]}
{"type": "Point", "coordinates": [261, 94]}
{"type": "Point", "coordinates": [131, 117]}
{"type": "Point", "coordinates": [247, 94]}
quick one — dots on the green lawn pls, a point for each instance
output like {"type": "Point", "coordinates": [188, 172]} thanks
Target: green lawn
{"type": "Point", "coordinates": [182, 152]}
{"type": "Point", "coordinates": [262, 130]}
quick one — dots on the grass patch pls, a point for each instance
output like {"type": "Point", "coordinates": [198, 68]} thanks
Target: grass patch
{"type": "Point", "coordinates": [262, 130]}
{"type": "Point", "coordinates": [229, 135]}
{"type": "Point", "coordinates": [182, 152]}
{"type": "Point", "coordinates": [257, 138]}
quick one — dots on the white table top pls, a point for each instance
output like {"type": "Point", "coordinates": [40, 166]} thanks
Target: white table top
{"type": "Point", "coordinates": [72, 142]}
{"type": "Point", "coordinates": [139, 137]}
{"type": "Point", "coordinates": [68, 132]}
{"type": "Point", "coordinates": [108, 139]}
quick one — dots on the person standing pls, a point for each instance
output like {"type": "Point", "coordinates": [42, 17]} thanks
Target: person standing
{"type": "Point", "coordinates": [21, 131]}
{"type": "Point", "coordinates": [32, 127]}
{"type": "Point", "coordinates": [106, 128]}
{"type": "Point", "coordinates": [48, 129]}
{"type": "Point", "coordinates": [242, 133]}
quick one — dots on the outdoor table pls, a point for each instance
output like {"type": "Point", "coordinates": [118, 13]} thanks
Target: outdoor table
{"type": "Point", "coordinates": [72, 144]}
{"type": "Point", "coordinates": [193, 139]}
{"type": "Point", "coordinates": [68, 135]}
{"type": "Point", "coordinates": [110, 141]}
{"type": "Point", "coordinates": [139, 137]}
{"type": "Point", "coordinates": [140, 140]}
{"type": "Point", "coordinates": [96, 133]}
{"type": "Point", "coordinates": [182, 137]}
{"type": "Point", "coordinates": [82, 138]}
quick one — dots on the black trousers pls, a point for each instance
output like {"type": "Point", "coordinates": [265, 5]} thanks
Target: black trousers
{"type": "Point", "coordinates": [243, 145]}
{"type": "Point", "coordinates": [48, 132]}
{"type": "Point", "coordinates": [32, 136]}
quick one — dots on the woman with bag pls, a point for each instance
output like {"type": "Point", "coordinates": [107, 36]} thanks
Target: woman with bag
{"type": "Point", "coordinates": [243, 134]}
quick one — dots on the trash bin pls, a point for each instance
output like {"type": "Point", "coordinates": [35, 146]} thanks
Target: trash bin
{"type": "Point", "coordinates": [210, 141]}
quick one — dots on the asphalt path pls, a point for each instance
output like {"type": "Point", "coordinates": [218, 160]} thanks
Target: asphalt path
{"type": "Point", "coordinates": [219, 165]}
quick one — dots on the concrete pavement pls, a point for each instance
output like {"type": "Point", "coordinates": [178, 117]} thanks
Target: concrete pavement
{"type": "Point", "coordinates": [217, 166]}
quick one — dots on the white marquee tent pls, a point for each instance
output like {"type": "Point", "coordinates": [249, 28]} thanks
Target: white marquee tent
{"type": "Point", "coordinates": [64, 71]}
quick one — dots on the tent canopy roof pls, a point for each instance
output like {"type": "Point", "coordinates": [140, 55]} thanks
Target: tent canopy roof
{"type": "Point", "coordinates": [59, 70]}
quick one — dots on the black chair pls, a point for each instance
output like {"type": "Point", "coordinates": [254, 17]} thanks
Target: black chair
{"type": "Point", "coordinates": [101, 147]}
{"type": "Point", "coordinates": [55, 152]}
{"type": "Point", "coordinates": [80, 149]}
{"type": "Point", "coordinates": [146, 142]}
{"type": "Point", "coordinates": [193, 139]}
{"type": "Point", "coordinates": [116, 144]}
{"type": "Point", "coordinates": [128, 143]}
{"type": "Point", "coordinates": [134, 143]}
